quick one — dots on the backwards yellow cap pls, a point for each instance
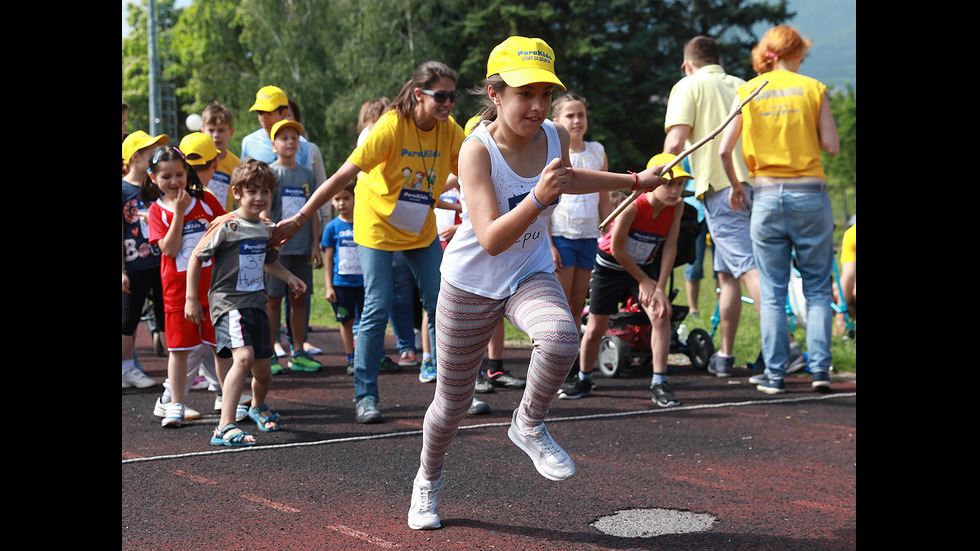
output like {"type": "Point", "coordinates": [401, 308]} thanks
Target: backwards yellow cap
{"type": "Point", "coordinates": [677, 171]}
{"type": "Point", "coordinates": [664, 158]}
{"type": "Point", "coordinates": [521, 61]}
{"type": "Point", "coordinates": [139, 140]}
{"type": "Point", "coordinates": [269, 98]}
{"type": "Point", "coordinates": [200, 143]}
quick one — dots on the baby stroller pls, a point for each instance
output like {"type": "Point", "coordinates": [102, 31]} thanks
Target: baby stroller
{"type": "Point", "coordinates": [628, 336]}
{"type": "Point", "coordinates": [149, 318]}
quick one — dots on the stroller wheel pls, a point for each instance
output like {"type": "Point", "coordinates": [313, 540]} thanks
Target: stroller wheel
{"type": "Point", "coordinates": [700, 347]}
{"type": "Point", "coordinates": [159, 346]}
{"type": "Point", "coordinates": [614, 355]}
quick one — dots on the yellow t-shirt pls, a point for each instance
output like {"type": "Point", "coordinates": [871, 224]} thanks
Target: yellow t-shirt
{"type": "Point", "coordinates": [779, 126]}
{"type": "Point", "coordinates": [406, 172]}
{"type": "Point", "coordinates": [848, 249]}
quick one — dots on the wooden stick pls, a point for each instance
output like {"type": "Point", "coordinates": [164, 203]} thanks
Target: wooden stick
{"type": "Point", "coordinates": [666, 168]}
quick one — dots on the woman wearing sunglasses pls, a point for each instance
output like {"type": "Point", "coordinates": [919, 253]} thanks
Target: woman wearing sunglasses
{"type": "Point", "coordinates": [408, 157]}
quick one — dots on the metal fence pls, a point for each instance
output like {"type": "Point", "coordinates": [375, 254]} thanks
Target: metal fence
{"type": "Point", "coordinates": [844, 204]}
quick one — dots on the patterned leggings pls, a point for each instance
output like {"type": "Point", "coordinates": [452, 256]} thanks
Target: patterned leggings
{"type": "Point", "coordinates": [464, 325]}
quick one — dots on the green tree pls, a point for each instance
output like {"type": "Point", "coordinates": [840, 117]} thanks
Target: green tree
{"type": "Point", "coordinates": [135, 59]}
{"type": "Point", "coordinates": [842, 169]}
{"type": "Point", "coordinates": [218, 66]}
{"type": "Point", "coordinates": [331, 56]}
{"type": "Point", "coordinates": [623, 55]}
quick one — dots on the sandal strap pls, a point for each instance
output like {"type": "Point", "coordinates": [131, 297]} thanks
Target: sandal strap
{"type": "Point", "coordinates": [222, 433]}
{"type": "Point", "coordinates": [256, 413]}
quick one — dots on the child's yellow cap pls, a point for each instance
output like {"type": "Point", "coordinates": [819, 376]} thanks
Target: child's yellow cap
{"type": "Point", "coordinates": [269, 98]}
{"type": "Point", "coordinates": [139, 140]}
{"type": "Point", "coordinates": [285, 123]}
{"type": "Point", "coordinates": [521, 61]}
{"type": "Point", "coordinates": [200, 143]}
{"type": "Point", "coordinates": [676, 170]}
{"type": "Point", "coordinates": [664, 158]}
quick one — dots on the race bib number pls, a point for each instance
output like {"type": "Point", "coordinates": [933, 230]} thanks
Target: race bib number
{"type": "Point", "coordinates": [641, 247]}
{"type": "Point", "coordinates": [349, 263]}
{"type": "Point", "coordinates": [193, 231]}
{"type": "Point", "coordinates": [411, 210]}
{"type": "Point", "coordinates": [251, 261]}
{"type": "Point", "coordinates": [219, 187]}
{"type": "Point", "coordinates": [293, 199]}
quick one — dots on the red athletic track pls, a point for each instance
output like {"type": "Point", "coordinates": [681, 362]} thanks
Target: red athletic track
{"type": "Point", "coordinates": [776, 472]}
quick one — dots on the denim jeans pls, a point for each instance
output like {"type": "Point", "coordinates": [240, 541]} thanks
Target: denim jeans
{"type": "Point", "coordinates": [403, 303]}
{"type": "Point", "coordinates": [784, 221]}
{"type": "Point", "coordinates": [378, 269]}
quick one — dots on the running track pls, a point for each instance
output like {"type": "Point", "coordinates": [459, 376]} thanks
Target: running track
{"type": "Point", "coordinates": [763, 472]}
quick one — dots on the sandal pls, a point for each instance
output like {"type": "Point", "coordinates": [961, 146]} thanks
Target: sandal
{"type": "Point", "coordinates": [222, 438]}
{"type": "Point", "coordinates": [256, 414]}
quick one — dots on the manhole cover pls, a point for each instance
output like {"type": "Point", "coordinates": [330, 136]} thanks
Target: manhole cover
{"type": "Point", "coordinates": [649, 523]}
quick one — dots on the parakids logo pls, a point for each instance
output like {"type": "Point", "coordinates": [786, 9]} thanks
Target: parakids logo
{"type": "Point", "coordinates": [536, 55]}
{"type": "Point", "coordinates": [427, 154]}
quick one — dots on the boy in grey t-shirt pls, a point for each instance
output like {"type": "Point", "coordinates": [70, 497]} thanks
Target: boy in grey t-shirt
{"type": "Point", "coordinates": [237, 243]}
{"type": "Point", "coordinates": [294, 185]}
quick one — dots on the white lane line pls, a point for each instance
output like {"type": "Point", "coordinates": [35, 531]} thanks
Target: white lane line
{"type": "Point", "coordinates": [490, 425]}
{"type": "Point", "coordinates": [363, 536]}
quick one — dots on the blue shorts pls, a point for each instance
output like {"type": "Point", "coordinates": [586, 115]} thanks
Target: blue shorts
{"type": "Point", "coordinates": [350, 302]}
{"type": "Point", "coordinates": [579, 253]}
{"type": "Point", "coordinates": [245, 327]}
{"type": "Point", "coordinates": [730, 232]}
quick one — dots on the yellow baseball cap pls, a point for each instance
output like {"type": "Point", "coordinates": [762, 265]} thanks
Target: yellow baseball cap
{"type": "Point", "coordinates": [521, 61]}
{"type": "Point", "coordinates": [269, 98]}
{"type": "Point", "coordinates": [283, 124]}
{"type": "Point", "coordinates": [139, 140]}
{"type": "Point", "coordinates": [676, 170]}
{"type": "Point", "coordinates": [200, 143]}
{"type": "Point", "coordinates": [664, 158]}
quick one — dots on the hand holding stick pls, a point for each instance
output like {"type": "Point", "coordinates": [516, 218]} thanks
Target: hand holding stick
{"type": "Point", "coordinates": [666, 168]}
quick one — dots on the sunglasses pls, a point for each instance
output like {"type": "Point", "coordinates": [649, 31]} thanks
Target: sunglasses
{"type": "Point", "coordinates": [441, 96]}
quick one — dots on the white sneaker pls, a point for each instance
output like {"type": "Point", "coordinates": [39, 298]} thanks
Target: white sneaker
{"type": "Point", "coordinates": [244, 399]}
{"type": "Point", "coordinates": [424, 513]}
{"type": "Point", "coordinates": [174, 416]}
{"type": "Point", "coordinates": [549, 458]}
{"type": "Point", "coordinates": [160, 410]}
{"type": "Point", "coordinates": [138, 379]}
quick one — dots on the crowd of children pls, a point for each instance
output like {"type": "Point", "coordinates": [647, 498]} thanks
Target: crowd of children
{"type": "Point", "coordinates": [219, 241]}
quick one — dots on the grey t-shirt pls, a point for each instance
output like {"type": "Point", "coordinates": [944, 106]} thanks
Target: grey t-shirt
{"type": "Point", "coordinates": [238, 247]}
{"type": "Point", "coordinates": [294, 186]}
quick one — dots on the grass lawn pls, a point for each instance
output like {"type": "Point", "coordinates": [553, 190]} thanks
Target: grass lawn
{"type": "Point", "coordinates": [746, 341]}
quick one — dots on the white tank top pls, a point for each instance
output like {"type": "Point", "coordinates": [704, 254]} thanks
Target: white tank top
{"type": "Point", "coordinates": [577, 217]}
{"type": "Point", "coordinates": [466, 264]}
